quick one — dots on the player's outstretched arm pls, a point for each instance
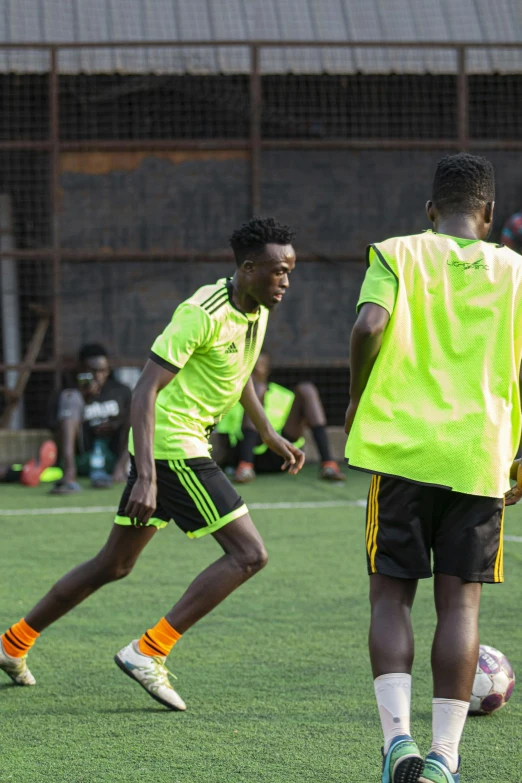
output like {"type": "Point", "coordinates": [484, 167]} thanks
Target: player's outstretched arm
{"type": "Point", "coordinates": [293, 457]}
{"type": "Point", "coordinates": [142, 500]}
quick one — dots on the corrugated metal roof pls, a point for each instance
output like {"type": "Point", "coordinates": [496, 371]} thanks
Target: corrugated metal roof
{"type": "Point", "coordinates": [82, 21]}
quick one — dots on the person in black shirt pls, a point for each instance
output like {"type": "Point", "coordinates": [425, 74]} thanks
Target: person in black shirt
{"type": "Point", "coordinates": [92, 424]}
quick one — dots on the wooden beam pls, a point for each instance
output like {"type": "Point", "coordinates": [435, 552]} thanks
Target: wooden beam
{"type": "Point", "coordinates": [33, 349]}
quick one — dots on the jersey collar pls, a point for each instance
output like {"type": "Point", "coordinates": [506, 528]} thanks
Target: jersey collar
{"type": "Point", "coordinates": [248, 316]}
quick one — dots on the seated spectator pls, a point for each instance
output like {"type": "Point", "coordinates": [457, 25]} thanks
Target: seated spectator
{"type": "Point", "coordinates": [92, 424]}
{"type": "Point", "coordinates": [511, 235]}
{"type": "Point", "coordinates": [289, 412]}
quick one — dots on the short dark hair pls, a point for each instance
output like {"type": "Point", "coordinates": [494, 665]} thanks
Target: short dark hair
{"type": "Point", "coordinates": [463, 183]}
{"type": "Point", "coordinates": [91, 350]}
{"type": "Point", "coordinates": [251, 237]}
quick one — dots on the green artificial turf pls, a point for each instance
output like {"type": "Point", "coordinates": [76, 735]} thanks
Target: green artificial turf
{"type": "Point", "coordinates": [277, 679]}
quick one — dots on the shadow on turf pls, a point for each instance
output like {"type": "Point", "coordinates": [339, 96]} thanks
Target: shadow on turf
{"type": "Point", "coordinates": [111, 710]}
{"type": "Point", "coordinates": [130, 710]}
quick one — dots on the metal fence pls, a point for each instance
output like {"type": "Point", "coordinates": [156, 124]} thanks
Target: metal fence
{"type": "Point", "coordinates": [50, 112]}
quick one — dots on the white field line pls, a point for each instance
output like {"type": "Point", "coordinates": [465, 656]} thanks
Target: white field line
{"type": "Point", "coordinates": [36, 512]}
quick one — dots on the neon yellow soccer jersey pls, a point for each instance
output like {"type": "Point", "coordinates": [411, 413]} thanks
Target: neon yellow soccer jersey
{"type": "Point", "coordinates": [212, 347]}
{"type": "Point", "coordinates": [442, 404]}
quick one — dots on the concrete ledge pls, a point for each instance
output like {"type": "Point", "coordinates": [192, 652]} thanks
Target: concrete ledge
{"type": "Point", "coordinates": [21, 445]}
{"type": "Point", "coordinates": [337, 438]}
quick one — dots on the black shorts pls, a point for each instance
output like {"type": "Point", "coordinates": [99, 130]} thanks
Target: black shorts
{"type": "Point", "coordinates": [194, 493]}
{"type": "Point", "coordinates": [406, 522]}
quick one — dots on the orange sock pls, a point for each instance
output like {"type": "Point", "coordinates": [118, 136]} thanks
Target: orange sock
{"type": "Point", "coordinates": [159, 640]}
{"type": "Point", "coordinates": [19, 639]}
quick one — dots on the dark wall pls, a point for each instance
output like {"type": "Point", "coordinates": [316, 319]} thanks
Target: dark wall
{"type": "Point", "coordinates": [141, 201]}
{"type": "Point", "coordinates": [343, 200]}
{"type": "Point", "coordinates": [338, 201]}
{"type": "Point", "coordinates": [127, 305]}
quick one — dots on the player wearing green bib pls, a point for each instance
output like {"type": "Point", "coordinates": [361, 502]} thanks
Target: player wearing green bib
{"type": "Point", "coordinates": [198, 369]}
{"type": "Point", "coordinates": [290, 412]}
{"type": "Point", "coordinates": [435, 417]}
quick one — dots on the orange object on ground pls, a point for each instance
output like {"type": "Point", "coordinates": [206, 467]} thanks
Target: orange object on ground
{"type": "Point", "coordinates": [33, 469]}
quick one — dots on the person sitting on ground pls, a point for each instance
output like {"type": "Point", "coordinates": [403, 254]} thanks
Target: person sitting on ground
{"type": "Point", "coordinates": [289, 412]}
{"type": "Point", "coordinates": [92, 424]}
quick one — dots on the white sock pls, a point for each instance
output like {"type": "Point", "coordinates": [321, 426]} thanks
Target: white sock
{"type": "Point", "coordinates": [449, 717]}
{"type": "Point", "coordinates": [393, 694]}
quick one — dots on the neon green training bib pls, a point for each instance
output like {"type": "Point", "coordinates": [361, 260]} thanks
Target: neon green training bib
{"type": "Point", "coordinates": [277, 403]}
{"type": "Point", "coordinates": [442, 404]}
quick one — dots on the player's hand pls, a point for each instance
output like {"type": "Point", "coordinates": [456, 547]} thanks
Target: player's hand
{"type": "Point", "coordinates": [350, 416]}
{"type": "Point", "coordinates": [515, 493]}
{"type": "Point", "coordinates": [142, 502]}
{"type": "Point", "coordinates": [294, 458]}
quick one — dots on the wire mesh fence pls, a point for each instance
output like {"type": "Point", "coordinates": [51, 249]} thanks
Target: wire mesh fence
{"type": "Point", "coordinates": [125, 168]}
{"type": "Point", "coordinates": [359, 106]}
{"type": "Point", "coordinates": [153, 106]}
{"type": "Point", "coordinates": [24, 107]}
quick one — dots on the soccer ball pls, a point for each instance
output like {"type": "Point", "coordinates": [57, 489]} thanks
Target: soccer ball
{"type": "Point", "coordinates": [494, 682]}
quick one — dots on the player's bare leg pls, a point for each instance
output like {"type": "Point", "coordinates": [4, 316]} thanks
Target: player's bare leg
{"type": "Point", "coordinates": [391, 653]}
{"type": "Point", "coordinates": [454, 661]}
{"type": "Point", "coordinates": [391, 633]}
{"type": "Point", "coordinates": [114, 561]}
{"type": "Point", "coordinates": [144, 660]}
{"type": "Point", "coordinates": [455, 648]}
{"type": "Point", "coordinates": [245, 555]}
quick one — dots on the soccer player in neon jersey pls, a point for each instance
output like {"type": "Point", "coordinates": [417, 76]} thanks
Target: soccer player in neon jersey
{"type": "Point", "coordinates": [198, 369]}
{"type": "Point", "coordinates": [435, 417]}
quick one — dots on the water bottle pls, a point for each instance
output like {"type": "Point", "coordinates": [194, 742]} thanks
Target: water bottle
{"type": "Point", "coordinates": [97, 462]}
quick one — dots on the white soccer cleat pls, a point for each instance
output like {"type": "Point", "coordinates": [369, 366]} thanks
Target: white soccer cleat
{"type": "Point", "coordinates": [151, 674]}
{"type": "Point", "coordinates": [16, 668]}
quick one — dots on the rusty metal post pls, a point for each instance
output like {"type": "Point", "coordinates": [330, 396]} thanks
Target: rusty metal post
{"type": "Point", "coordinates": [255, 131]}
{"type": "Point", "coordinates": [462, 100]}
{"type": "Point", "coordinates": [54, 184]}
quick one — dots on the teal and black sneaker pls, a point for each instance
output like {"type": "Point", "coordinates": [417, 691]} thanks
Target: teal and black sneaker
{"type": "Point", "coordinates": [436, 770]}
{"type": "Point", "coordinates": [403, 763]}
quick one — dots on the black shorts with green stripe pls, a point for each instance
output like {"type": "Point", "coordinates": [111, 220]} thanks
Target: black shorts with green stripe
{"type": "Point", "coordinates": [193, 493]}
{"type": "Point", "coordinates": [409, 524]}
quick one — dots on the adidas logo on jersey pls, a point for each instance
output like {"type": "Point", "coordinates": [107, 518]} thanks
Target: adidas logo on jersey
{"type": "Point", "coordinates": [231, 348]}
